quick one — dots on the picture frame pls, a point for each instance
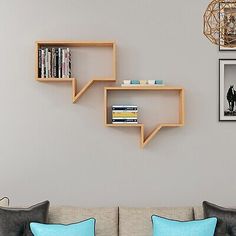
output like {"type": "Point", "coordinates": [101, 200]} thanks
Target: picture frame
{"type": "Point", "coordinates": [227, 89]}
{"type": "Point", "coordinates": [226, 49]}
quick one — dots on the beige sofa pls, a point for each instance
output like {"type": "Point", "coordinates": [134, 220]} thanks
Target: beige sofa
{"type": "Point", "coordinates": [121, 221]}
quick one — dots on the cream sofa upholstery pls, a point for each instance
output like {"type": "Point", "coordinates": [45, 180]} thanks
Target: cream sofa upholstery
{"type": "Point", "coordinates": [116, 221]}
{"type": "Point", "coordinates": [198, 213]}
{"type": "Point", "coordinates": [137, 221]}
{"type": "Point", "coordinates": [106, 218]}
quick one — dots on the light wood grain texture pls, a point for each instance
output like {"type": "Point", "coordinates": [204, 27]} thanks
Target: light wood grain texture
{"type": "Point", "coordinates": [150, 88]}
{"type": "Point", "coordinates": [76, 43]}
{"type": "Point", "coordinates": [36, 61]}
{"type": "Point", "coordinates": [144, 140]}
{"type": "Point", "coordinates": [181, 107]}
{"type": "Point", "coordinates": [76, 92]}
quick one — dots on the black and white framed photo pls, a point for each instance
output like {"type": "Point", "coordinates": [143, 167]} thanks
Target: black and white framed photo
{"type": "Point", "coordinates": [227, 49]}
{"type": "Point", "coordinates": [227, 96]}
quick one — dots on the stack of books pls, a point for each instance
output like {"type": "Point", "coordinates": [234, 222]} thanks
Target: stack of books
{"type": "Point", "coordinates": [54, 63]}
{"type": "Point", "coordinates": [124, 114]}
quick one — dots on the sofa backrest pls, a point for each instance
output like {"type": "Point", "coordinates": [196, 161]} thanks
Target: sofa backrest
{"type": "Point", "coordinates": [126, 221]}
{"type": "Point", "coordinates": [106, 218]}
{"type": "Point", "coordinates": [198, 213]}
{"type": "Point", "coordinates": [137, 221]}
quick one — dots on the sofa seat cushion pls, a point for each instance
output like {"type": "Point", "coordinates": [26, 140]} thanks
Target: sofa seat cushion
{"type": "Point", "coordinates": [106, 218]}
{"type": "Point", "coordinates": [137, 221]}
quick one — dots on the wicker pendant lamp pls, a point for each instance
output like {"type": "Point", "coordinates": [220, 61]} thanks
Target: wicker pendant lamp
{"type": "Point", "coordinates": [220, 23]}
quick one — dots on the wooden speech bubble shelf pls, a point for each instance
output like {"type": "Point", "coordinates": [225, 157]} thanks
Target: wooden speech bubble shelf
{"type": "Point", "coordinates": [145, 140]}
{"type": "Point", "coordinates": [76, 93]}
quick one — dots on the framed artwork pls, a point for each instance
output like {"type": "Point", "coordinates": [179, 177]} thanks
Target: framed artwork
{"type": "Point", "coordinates": [227, 90]}
{"type": "Point", "coordinates": [228, 17]}
{"type": "Point", "coordinates": [226, 49]}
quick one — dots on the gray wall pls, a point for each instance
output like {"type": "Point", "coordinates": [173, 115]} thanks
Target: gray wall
{"type": "Point", "coordinates": [53, 149]}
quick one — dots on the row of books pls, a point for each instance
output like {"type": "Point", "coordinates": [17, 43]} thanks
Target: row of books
{"type": "Point", "coordinates": [124, 114]}
{"type": "Point", "coordinates": [142, 83]}
{"type": "Point", "coordinates": [54, 63]}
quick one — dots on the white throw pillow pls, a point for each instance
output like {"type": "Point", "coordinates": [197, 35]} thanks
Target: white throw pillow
{"type": "Point", "coordinates": [4, 202]}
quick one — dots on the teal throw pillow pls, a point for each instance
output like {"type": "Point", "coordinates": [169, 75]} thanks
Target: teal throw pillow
{"type": "Point", "coordinates": [166, 227]}
{"type": "Point", "coordinates": [85, 228]}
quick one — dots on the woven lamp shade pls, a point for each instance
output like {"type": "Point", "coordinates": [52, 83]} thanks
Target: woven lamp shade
{"type": "Point", "coordinates": [220, 23]}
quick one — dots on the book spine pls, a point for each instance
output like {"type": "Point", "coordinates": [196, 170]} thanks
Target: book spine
{"type": "Point", "coordinates": [57, 59]}
{"type": "Point", "coordinates": [59, 62]}
{"type": "Point", "coordinates": [54, 63]}
{"type": "Point", "coordinates": [63, 63]}
{"type": "Point", "coordinates": [124, 109]}
{"type": "Point", "coordinates": [64, 52]}
{"type": "Point", "coordinates": [69, 63]}
{"type": "Point", "coordinates": [66, 64]}
{"type": "Point", "coordinates": [42, 62]}
{"type": "Point", "coordinates": [49, 64]}
{"type": "Point", "coordinates": [114, 121]}
{"type": "Point", "coordinates": [124, 123]}
{"type": "Point", "coordinates": [128, 113]}
{"type": "Point", "coordinates": [39, 62]}
{"type": "Point", "coordinates": [119, 106]}
{"type": "Point", "coordinates": [125, 119]}
{"type": "Point", "coordinates": [46, 62]}
{"type": "Point", "coordinates": [124, 114]}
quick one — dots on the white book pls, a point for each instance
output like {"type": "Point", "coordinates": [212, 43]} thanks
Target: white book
{"type": "Point", "coordinates": [49, 65]}
{"type": "Point", "coordinates": [59, 62]}
{"type": "Point", "coordinates": [127, 81]}
{"type": "Point", "coordinates": [124, 111]}
{"type": "Point", "coordinates": [46, 61]}
{"type": "Point", "coordinates": [42, 62]}
{"type": "Point", "coordinates": [122, 118]}
{"type": "Point", "coordinates": [121, 106]}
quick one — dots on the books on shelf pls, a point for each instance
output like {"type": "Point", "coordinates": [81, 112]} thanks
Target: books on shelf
{"type": "Point", "coordinates": [124, 108]}
{"type": "Point", "coordinates": [54, 62]}
{"type": "Point", "coordinates": [124, 114]}
{"type": "Point", "coordinates": [127, 83]}
{"type": "Point", "coordinates": [141, 85]}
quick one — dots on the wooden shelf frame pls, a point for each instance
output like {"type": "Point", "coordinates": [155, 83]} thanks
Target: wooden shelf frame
{"type": "Point", "coordinates": [77, 93]}
{"type": "Point", "coordinates": [145, 140]}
